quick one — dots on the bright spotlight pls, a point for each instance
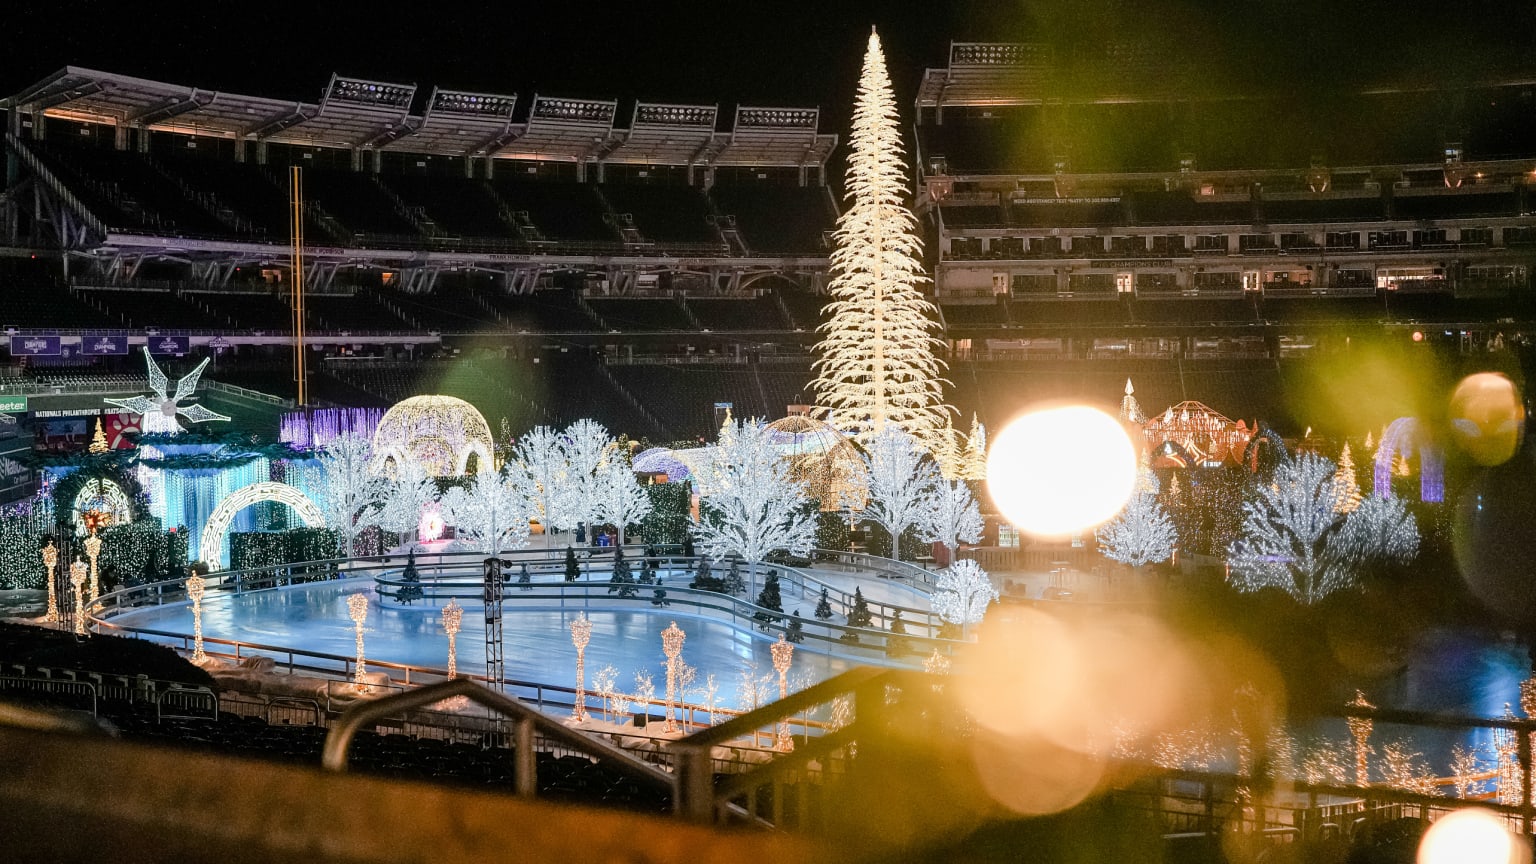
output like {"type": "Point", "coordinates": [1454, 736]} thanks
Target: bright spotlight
{"type": "Point", "coordinates": [1061, 470]}
{"type": "Point", "coordinates": [1471, 837]}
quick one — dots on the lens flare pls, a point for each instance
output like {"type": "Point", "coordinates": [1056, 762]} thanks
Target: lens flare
{"type": "Point", "coordinates": [1061, 470]}
{"type": "Point", "coordinates": [1487, 417]}
{"type": "Point", "coordinates": [1471, 837]}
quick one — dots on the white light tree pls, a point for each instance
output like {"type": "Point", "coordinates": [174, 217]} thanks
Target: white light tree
{"type": "Point", "coordinates": [973, 459]}
{"type": "Point", "coordinates": [491, 511]}
{"type": "Point", "coordinates": [752, 505]}
{"type": "Point", "coordinates": [539, 454]}
{"type": "Point", "coordinates": [962, 594]}
{"type": "Point", "coordinates": [879, 360]}
{"type": "Point", "coordinates": [951, 516]}
{"type": "Point", "coordinates": [619, 499]}
{"type": "Point", "coordinates": [406, 497]}
{"type": "Point", "coordinates": [350, 495]}
{"type": "Point", "coordinates": [1139, 534]}
{"type": "Point", "coordinates": [1295, 537]}
{"type": "Point", "coordinates": [584, 449]}
{"type": "Point", "coordinates": [899, 479]}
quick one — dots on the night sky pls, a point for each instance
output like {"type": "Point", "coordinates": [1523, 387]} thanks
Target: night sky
{"type": "Point", "coordinates": [767, 53]}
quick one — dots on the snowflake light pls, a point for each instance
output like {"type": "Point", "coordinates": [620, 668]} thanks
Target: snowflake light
{"type": "Point", "coordinates": [160, 411]}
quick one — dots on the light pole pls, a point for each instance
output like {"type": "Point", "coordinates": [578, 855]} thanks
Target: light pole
{"type": "Point", "coordinates": [453, 616]}
{"type": "Point", "coordinates": [51, 560]}
{"type": "Point", "coordinates": [195, 585]}
{"type": "Point", "coordinates": [1360, 728]}
{"type": "Point", "coordinates": [77, 573]}
{"type": "Point", "coordinates": [581, 635]}
{"type": "Point", "coordinates": [357, 609]}
{"type": "Point", "coordinates": [783, 654]}
{"type": "Point", "coordinates": [93, 549]}
{"type": "Point", "coordinates": [672, 645]}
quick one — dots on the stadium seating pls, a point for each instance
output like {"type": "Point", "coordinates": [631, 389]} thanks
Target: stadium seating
{"type": "Point", "coordinates": [547, 311]}
{"type": "Point", "coordinates": [262, 312]}
{"type": "Point", "coordinates": [32, 295]}
{"type": "Point", "coordinates": [359, 202]}
{"type": "Point", "coordinates": [158, 309]}
{"type": "Point", "coordinates": [739, 313]}
{"type": "Point", "coordinates": [666, 214]}
{"type": "Point", "coordinates": [447, 309]}
{"type": "Point", "coordinates": [127, 191]}
{"type": "Point", "coordinates": [687, 394]}
{"type": "Point", "coordinates": [562, 212]}
{"type": "Point", "coordinates": [641, 314]}
{"type": "Point", "coordinates": [778, 219]}
{"type": "Point", "coordinates": [351, 312]}
{"type": "Point", "coordinates": [455, 206]}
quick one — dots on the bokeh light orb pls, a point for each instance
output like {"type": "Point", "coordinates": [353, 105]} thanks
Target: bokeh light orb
{"type": "Point", "coordinates": [1487, 417]}
{"type": "Point", "coordinates": [1472, 836]}
{"type": "Point", "coordinates": [1060, 470]}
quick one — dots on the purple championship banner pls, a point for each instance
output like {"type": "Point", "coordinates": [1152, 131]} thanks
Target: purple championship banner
{"type": "Point", "coordinates": [102, 346]}
{"type": "Point", "coordinates": [34, 346]}
{"type": "Point", "coordinates": [167, 345]}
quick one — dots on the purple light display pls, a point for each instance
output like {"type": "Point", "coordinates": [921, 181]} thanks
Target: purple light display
{"type": "Point", "coordinates": [311, 430]}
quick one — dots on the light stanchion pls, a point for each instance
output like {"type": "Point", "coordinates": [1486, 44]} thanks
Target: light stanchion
{"type": "Point", "coordinates": [50, 561]}
{"type": "Point", "coordinates": [672, 646]}
{"type": "Point", "coordinates": [581, 636]}
{"type": "Point", "coordinates": [93, 551]}
{"type": "Point", "coordinates": [357, 609]}
{"type": "Point", "coordinates": [453, 617]}
{"type": "Point", "coordinates": [77, 575]}
{"type": "Point", "coordinates": [783, 654]}
{"type": "Point", "coordinates": [195, 586]}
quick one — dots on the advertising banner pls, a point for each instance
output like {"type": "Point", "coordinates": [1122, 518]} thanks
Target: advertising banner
{"type": "Point", "coordinates": [10, 404]}
{"type": "Point", "coordinates": [101, 346]}
{"type": "Point", "coordinates": [166, 345]}
{"type": "Point", "coordinates": [34, 346]}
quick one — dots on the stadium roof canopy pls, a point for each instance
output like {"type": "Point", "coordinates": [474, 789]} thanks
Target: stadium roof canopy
{"type": "Point", "coordinates": [361, 114]}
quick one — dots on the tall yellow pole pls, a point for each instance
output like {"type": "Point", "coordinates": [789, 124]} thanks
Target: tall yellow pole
{"type": "Point", "coordinates": [296, 197]}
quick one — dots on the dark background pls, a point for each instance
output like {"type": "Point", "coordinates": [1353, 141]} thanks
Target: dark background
{"type": "Point", "coordinates": [759, 53]}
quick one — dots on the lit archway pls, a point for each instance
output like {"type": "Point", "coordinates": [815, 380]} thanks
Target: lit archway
{"type": "Point", "coordinates": [1407, 437]}
{"type": "Point", "coordinates": [211, 546]}
{"type": "Point", "coordinates": [104, 497]}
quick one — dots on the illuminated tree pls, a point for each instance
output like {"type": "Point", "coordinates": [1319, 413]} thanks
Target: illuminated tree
{"type": "Point", "coordinates": [962, 594]}
{"type": "Point", "coordinates": [947, 450]}
{"type": "Point", "coordinates": [1294, 538]}
{"type": "Point", "coordinates": [491, 511]}
{"type": "Point", "coordinates": [753, 506]}
{"type": "Point", "coordinates": [899, 479]}
{"type": "Point", "coordinates": [1348, 483]}
{"type": "Point", "coordinates": [879, 363]}
{"type": "Point", "coordinates": [1140, 534]}
{"type": "Point", "coordinates": [539, 454]}
{"type": "Point", "coordinates": [618, 496]}
{"type": "Point", "coordinates": [585, 448]}
{"type": "Point", "coordinates": [350, 495]}
{"type": "Point", "coordinates": [405, 498]}
{"type": "Point", "coordinates": [974, 458]}
{"type": "Point", "coordinates": [951, 516]}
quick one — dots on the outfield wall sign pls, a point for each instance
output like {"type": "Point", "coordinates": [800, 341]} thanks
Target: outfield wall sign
{"type": "Point", "coordinates": [13, 404]}
{"type": "Point", "coordinates": [168, 345]}
{"type": "Point", "coordinates": [34, 346]}
{"type": "Point", "coordinates": [102, 346]}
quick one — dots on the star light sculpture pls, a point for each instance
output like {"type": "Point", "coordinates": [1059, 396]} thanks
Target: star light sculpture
{"type": "Point", "coordinates": [160, 410]}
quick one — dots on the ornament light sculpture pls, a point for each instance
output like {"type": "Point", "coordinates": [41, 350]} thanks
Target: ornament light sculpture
{"type": "Point", "coordinates": [357, 609]}
{"type": "Point", "coordinates": [672, 640]}
{"type": "Point", "coordinates": [783, 652]}
{"type": "Point", "coordinates": [77, 573]}
{"type": "Point", "coordinates": [93, 551]}
{"type": "Point", "coordinates": [581, 636]}
{"type": "Point", "coordinates": [51, 560]}
{"type": "Point", "coordinates": [879, 360]}
{"type": "Point", "coordinates": [160, 411]}
{"type": "Point", "coordinates": [439, 433]}
{"type": "Point", "coordinates": [1360, 730]}
{"type": "Point", "coordinates": [453, 617]}
{"type": "Point", "coordinates": [195, 586]}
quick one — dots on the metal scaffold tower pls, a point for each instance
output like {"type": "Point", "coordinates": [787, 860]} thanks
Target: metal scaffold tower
{"type": "Point", "coordinates": [495, 660]}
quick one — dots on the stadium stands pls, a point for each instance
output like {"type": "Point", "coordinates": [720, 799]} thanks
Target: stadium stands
{"type": "Point", "coordinates": [775, 220]}
{"type": "Point", "coordinates": [668, 214]}
{"type": "Point", "coordinates": [744, 313]}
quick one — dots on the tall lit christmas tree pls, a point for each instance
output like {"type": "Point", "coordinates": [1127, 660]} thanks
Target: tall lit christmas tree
{"type": "Point", "coordinates": [878, 360]}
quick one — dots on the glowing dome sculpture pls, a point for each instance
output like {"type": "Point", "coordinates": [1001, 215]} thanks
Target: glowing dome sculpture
{"type": "Point", "coordinates": [661, 460]}
{"type": "Point", "coordinates": [1205, 435]}
{"type": "Point", "coordinates": [823, 458]}
{"type": "Point", "coordinates": [440, 433]}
